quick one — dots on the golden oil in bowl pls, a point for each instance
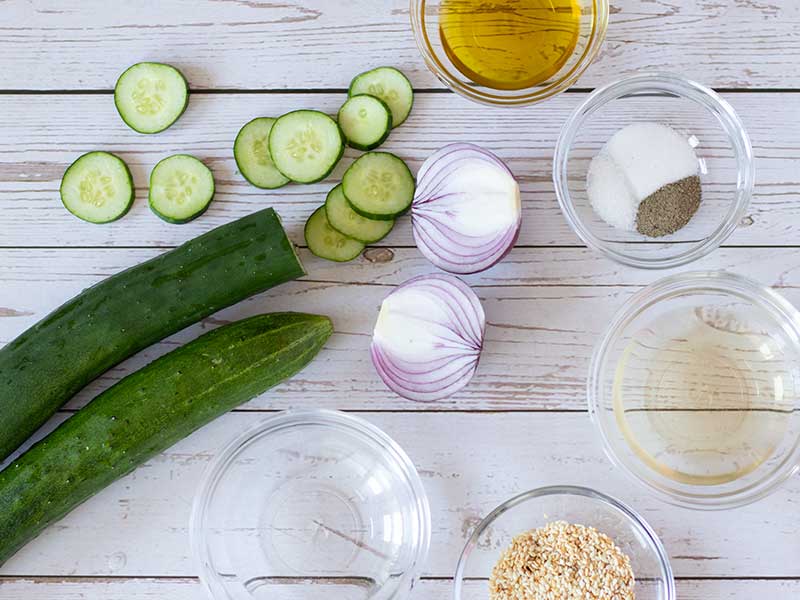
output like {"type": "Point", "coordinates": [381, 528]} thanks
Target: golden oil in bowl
{"type": "Point", "coordinates": [704, 396]}
{"type": "Point", "coordinates": [511, 44]}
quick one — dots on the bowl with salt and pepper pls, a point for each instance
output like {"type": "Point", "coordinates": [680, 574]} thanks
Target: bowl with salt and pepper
{"type": "Point", "coordinates": [654, 171]}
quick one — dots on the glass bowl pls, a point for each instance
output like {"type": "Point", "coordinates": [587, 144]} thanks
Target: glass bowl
{"type": "Point", "coordinates": [425, 22]}
{"type": "Point", "coordinates": [694, 389]}
{"type": "Point", "coordinates": [707, 121]}
{"type": "Point", "coordinates": [651, 568]}
{"type": "Point", "coordinates": [313, 504]}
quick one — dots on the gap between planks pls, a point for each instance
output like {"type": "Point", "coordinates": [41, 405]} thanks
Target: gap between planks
{"type": "Point", "coordinates": [397, 247]}
{"type": "Point", "coordinates": [179, 579]}
{"type": "Point", "coordinates": [410, 411]}
{"type": "Point", "coordinates": [269, 91]}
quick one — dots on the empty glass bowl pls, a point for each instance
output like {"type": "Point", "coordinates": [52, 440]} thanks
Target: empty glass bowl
{"type": "Point", "coordinates": [426, 22]}
{"type": "Point", "coordinates": [582, 506]}
{"type": "Point", "coordinates": [314, 505]}
{"type": "Point", "coordinates": [694, 389]}
{"type": "Point", "coordinates": [707, 122]}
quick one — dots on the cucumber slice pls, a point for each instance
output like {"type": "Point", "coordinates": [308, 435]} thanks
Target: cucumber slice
{"type": "Point", "coordinates": [97, 187]}
{"type": "Point", "coordinates": [305, 145]}
{"type": "Point", "coordinates": [181, 188]}
{"type": "Point", "coordinates": [378, 186]}
{"type": "Point", "coordinates": [391, 86]}
{"type": "Point", "coordinates": [348, 222]}
{"type": "Point", "coordinates": [151, 96]}
{"type": "Point", "coordinates": [251, 152]}
{"type": "Point", "coordinates": [324, 241]}
{"type": "Point", "coordinates": [365, 121]}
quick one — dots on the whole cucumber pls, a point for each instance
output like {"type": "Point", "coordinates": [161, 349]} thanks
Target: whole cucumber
{"type": "Point", "coordinates": [105, 324]}
{"type": "Point", "coordinates": [147, 412]}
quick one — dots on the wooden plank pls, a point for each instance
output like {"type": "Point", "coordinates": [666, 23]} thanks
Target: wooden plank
{"type": "Point", "coordinates": [79, 44]}
{"type": "Point", "coordinates": [138, 526]}
{"type": "Point", "coordinates": [75, 588]}
{"type": "Point", "coordinates": [33, 158]}
{"type": "Point", "coordinates": [546, 309]}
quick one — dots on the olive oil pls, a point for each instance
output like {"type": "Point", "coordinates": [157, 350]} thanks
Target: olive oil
{"type": "Point", "coordinates": [703, 398]}
{"type": "Point", "coordinates": [511, 44]}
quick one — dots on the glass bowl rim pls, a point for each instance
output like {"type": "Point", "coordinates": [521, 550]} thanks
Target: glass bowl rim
{"type": "Point", "coordinates": [682, 87]}
{"type": "Point", "coordinates": [633, 518]}
{"type": "Point", "coordinates": [526, 96]}
{"type": "Point", "coordinates": [342, 422]}
{"type": "Point", "coordinates": [667, 288]}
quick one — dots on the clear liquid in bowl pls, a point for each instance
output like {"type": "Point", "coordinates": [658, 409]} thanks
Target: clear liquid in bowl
{"type": "Point", "coordinates": [704, 395]}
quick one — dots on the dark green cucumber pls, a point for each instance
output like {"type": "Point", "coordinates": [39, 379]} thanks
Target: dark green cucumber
{"type": "Point", "coordinates": [147, 412]}
{"type": "Point", "coordinates": [105, 324]}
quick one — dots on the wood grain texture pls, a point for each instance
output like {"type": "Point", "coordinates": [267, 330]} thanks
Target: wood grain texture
{"type": "Point", "coordinates": [506, 454]}
{"type": "Point", "coordinates": [31, 165]}
{"type": "Point", "coordinates": [76, 588]}
{"type": "Point", "coordinates": [80, 44]}
{"type": "Point", "coordinates": [546, 308]}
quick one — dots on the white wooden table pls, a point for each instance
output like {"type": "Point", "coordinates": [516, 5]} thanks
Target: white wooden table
{"type": "Point", "coordinates": [524, 413]}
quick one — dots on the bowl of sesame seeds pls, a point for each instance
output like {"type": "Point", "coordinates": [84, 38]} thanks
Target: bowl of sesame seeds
{"type": "Point", "coordinates": [563, 543]}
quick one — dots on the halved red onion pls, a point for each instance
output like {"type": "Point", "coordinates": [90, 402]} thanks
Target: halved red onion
{"type": "Point", "coordinates": [466, 213]}
{"type": "Point", "coordinates": [428, 337]}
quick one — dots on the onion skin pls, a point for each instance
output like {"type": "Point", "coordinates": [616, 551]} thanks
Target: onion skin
{"type": "Point", "coordinates": [442, 326]}
{"type": "Point", "coordinates": [441, 198]}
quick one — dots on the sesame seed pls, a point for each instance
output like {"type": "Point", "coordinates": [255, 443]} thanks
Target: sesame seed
{"type": "Point", "coordinates": [562, 561]}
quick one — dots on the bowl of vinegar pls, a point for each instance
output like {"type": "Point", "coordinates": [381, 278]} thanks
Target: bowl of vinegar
{"type": "Point", "coordinates": [695, 389]}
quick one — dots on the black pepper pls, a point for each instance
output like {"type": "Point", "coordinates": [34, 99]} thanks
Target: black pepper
{"type": "Point", "coordinates": [669, 208]}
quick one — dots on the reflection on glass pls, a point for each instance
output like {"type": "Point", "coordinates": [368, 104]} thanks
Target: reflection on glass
{"type": "Point", "coordinates": [704, 395]}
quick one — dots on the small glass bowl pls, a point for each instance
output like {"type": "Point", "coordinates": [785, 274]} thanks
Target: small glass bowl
{"type": "Point", "coordinates": [425, 24]}
{"type": "Point", "coordinates": [707, 121]}
{"type": "Point", "coordinates": [537, 508]}
{"type": "Point", "coordinates": [695, 389]}
{"type": "Point", "coordinates": [312, 504]}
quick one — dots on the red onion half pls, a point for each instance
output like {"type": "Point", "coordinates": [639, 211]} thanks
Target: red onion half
{"type": "Point", "coordinates": [428, 337]}
{"type": "Point", "coordinates": [466, 212]}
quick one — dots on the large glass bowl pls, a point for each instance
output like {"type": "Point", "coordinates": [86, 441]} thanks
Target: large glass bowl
{"type": "Point", "coordinates": [582, 506]}
{"type": "Point", "coordinates": [313, 505]}
{"type": "Point", "coordinates": [425, 21]}
{"type": "Point", "coordinates": [707, 122]}
{"type": "Point", "coordinates": [694, 389]}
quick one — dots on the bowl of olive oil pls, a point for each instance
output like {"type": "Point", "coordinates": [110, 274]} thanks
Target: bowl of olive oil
{"type": "Point", "coordinates": [509, 52]}
{"type": "Point", "coordinates": [695, 389]}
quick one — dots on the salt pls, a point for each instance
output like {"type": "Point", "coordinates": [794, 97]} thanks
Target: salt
{"type": "Point", "coordinates": [611, 196]}
{"type": "Point", "coordinates": [637, 161]}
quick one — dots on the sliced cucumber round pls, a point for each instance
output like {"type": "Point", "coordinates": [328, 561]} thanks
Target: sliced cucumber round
{"type": "Point", "coordinates": [391, 86]}
{"type": "Point", "coordinates": [151, 96]}
{"type": "Point", "coordinates": [365, 121]}
{"type": "Point", "coordinates": [305, 145]}
{"type": "Point", "coordinates": [251, 152]}
{"type": "Point", "coordinates": [181, 188]}
{"type": "Point", "coordinates": [324, 241]}
{"type": "Point", "coordinates": [378, 185]}
{"type": "Point", "coordinates": [348, 222]}
{"type": "Point", "coordinates": [97, 187]}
